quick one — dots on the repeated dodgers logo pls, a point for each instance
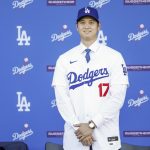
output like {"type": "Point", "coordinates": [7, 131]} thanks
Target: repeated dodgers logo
{"type": "Point", "coordinates": [63, 35]}
{"type": "Point", "coordinates": [142, 98]}
{"type": "Point", "coordinates": [24, 134]}
{"type": "Point", "coordinates": [27, 66]}
{"type": "Point", "coordinates": [99, 3]}
{"type": "Point", "coordinates": [21, 4]}
{"type": "Point", "coordinates": [140, 35]}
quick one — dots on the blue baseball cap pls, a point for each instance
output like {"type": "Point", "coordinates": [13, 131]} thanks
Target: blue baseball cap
{"type": "Point", "coordinates": [88, 11]}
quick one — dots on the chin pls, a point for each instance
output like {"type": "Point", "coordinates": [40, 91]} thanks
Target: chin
{"type": "Point", "coordinates": [88, 38]}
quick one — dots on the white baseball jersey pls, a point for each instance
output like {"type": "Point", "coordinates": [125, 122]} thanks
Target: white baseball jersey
{"type": "Point", "coordinates": [91, 91]}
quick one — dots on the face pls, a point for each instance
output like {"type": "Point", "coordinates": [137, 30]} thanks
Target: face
{"type": "Point", "coordinates": [88, 28]}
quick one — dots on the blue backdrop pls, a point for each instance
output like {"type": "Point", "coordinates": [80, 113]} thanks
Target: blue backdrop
{"type": "Point", "coordinates": [33, 33]}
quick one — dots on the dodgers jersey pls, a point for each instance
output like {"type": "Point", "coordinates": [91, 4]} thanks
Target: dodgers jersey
{"type": "Point", "coordinates": [84, 92]}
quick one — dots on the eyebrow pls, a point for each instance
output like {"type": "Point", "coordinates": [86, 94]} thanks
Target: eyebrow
{"type": "Point", "coordinates": [90, 19]}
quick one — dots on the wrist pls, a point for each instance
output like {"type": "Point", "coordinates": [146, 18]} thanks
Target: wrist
{"type": "Point", "coordinates": [91, 124]}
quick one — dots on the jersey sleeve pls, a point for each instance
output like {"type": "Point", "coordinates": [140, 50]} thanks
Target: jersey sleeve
{"type": "Point", "coordinates": [59, 77]}
{"type": "Point", "coordinates": [63, 101]}
{"type": "Point", "coordinates": [118, 86]}
{"type": "Point", "coordinates": [119, 74]}
{"type": "Point", "coordinates": [112, 105]}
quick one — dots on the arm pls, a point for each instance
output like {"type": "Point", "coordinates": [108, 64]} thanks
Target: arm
{"type": "Point", "coordinates": [110, 109]}
{"type": "Point", "coordinates": [117, 91]}
{"type": "Point", "coordinates": [112, 105]}
{"type": "Point", "coordinates": [67, 112]}
{"type": "Point", "coordinates": [64, 105]}
{"type": "Point", "coordinates": [60, 84]}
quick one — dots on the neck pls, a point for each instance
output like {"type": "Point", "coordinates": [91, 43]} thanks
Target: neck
{"type": "Point", "coordinates": [88, 43]}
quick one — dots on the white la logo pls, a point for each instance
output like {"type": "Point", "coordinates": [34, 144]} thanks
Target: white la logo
{"type": "Point", "coordinates": [22, 105]}
{"type": "Point", "coordinates": [87, 10]}
{"type": "Point", "coordinates": [102, 38]}
{"type": "Point", "coordinates": [22, 36]}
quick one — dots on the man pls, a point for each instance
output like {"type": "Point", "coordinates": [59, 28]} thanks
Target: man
{"type": "Point", "coordinates": [90, 83]}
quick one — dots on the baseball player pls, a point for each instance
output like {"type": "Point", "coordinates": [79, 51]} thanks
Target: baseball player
{"type": "Point", "coordinates": [90, 83]}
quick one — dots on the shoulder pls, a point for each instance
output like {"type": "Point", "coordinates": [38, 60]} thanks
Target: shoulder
{"type": "Point", "coordinates": [110, 52]}
{"type": "Point", "coordinates": [71, 53]}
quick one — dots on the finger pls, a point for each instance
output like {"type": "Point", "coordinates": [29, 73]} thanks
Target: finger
{"type": "Point", "coordinates": [90, 141]}
{"type": "Point", "coordinates": [76, 125]}
{"type": "Point", "coordinates": [79, 136]}
{"type": "Point", "coordinates": [82, 138]}
{"type": "Point", "coordinates": [93, 139]}
{"type": "Point", "coordinates": [77, 131]}
{"type": "Point", "coordinates": [84, 143]}
{"type": "Point", "coordinates": [87, 142]}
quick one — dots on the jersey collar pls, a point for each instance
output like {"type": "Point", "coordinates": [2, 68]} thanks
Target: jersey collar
{"type": "Point", "coordinates": [93, 47]}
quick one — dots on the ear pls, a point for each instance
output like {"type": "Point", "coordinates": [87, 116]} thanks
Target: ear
{"type": "Point", "coordinates": [99, 26]}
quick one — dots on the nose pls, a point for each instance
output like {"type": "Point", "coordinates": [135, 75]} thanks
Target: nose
{"type": "Point", "coordinates": [86, 25]}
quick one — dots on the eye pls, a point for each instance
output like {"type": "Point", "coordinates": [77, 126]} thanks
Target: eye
{"type": "Point", "coordinates": [82, 22]}
{"type": "Point", "coordinates": [91, 22]}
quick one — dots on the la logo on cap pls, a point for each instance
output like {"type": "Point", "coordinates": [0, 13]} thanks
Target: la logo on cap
{"type": "Point", "coordinates": [87, 11]}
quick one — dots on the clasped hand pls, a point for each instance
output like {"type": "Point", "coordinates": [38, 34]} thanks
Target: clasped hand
{"type": "Point", "coordinates": [84, 134]}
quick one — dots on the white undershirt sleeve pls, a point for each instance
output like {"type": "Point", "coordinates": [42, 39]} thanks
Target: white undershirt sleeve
{"type": "Point", "coordinates": [112, 105]}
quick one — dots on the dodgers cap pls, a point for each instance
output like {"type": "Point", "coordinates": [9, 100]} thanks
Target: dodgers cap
{"type": "Point", "coordinates": [88, 11]}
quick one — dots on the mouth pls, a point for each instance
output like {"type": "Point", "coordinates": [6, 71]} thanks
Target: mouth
{"type": "Point", "coordinates": [87, 31]}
